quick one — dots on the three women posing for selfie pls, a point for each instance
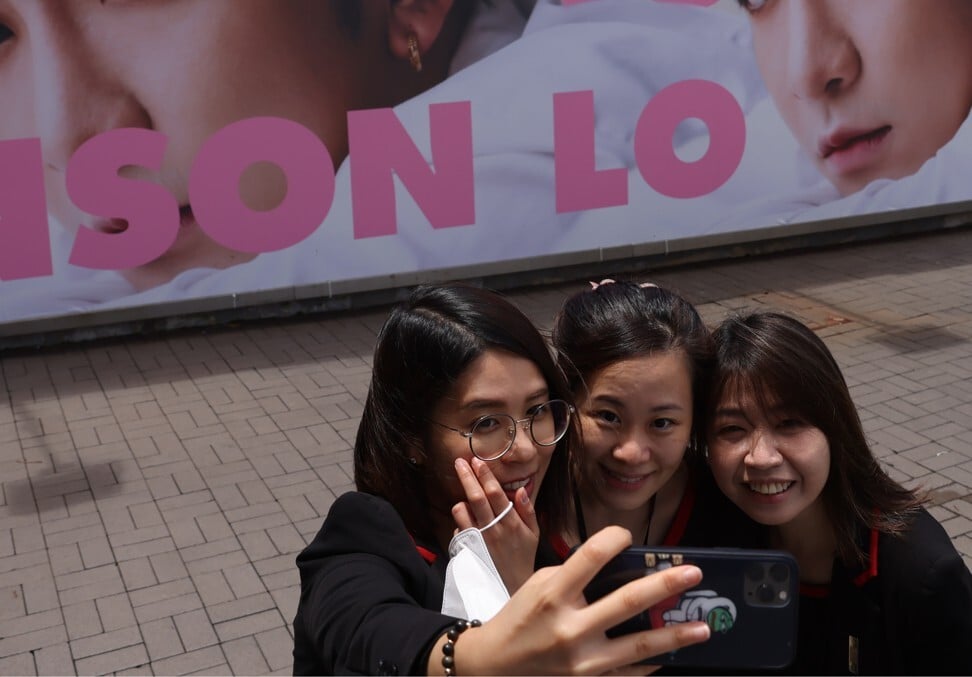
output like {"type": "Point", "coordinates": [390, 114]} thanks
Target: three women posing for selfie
{"type": "Point", "coordinates": [469, 423]}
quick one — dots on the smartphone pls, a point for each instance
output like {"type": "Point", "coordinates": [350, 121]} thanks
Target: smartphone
{"type": "Point", "coordinates": [748, 598]}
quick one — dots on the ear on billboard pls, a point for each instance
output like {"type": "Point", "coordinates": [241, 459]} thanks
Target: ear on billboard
{"type": "Point", "coordinates": [416, 21]}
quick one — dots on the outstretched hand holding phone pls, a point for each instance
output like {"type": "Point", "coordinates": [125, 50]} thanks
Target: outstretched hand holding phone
{"type": "Point", "coordinates": [749, 600]}
{"type": "Point", "coordinates": [548, 627]}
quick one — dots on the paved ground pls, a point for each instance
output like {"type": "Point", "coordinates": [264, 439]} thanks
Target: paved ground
{"type": "Point", "coordinates": [155, 492]}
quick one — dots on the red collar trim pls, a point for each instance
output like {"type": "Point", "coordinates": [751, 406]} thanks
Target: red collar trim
{"type": "Point", "coordinates": [424, 553]}
{"type": "Point", "coordinates": [872, 564]}
{"type": "Point", "coordinates": [677, 530]}
{"type": "Point", "coordinates": [812, 590]}
{"type": "Point", "coordinates": [560, 546]}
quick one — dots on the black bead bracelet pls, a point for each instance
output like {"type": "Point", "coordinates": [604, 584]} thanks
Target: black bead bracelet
{"type": "Point", "coordinates": [449, 648]}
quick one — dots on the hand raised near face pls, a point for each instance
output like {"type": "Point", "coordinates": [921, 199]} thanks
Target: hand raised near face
{"type": "Point", "coordinates": [513, 538]}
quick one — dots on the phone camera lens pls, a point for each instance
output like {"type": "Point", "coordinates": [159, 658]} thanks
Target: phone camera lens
{"type": "Point", "coordinates": [765, 593]}
{"type": "Point", "coordinates": [778, 572]}
{"type": "Point", "coordinates": [754, 572]}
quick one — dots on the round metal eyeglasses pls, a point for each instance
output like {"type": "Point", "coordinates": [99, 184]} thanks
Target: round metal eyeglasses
{"type": "Point", "coordinates": [492, 435]}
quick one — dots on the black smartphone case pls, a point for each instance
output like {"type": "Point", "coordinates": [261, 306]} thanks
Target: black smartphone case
{"type": "Point", "coordinates": [748, 598]}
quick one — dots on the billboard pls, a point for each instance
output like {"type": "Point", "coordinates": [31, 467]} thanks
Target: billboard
{"type": "Point", "coordinates": [168, 151]}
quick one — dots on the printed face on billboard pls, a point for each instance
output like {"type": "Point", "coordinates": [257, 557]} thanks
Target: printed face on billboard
{"type": "Point", "coordinates": [72, 69]}
{"type": "Point", "coordinates": [870, 88]}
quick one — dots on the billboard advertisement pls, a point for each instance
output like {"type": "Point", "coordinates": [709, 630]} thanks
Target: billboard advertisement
{"type": "Point", "coordinates": [159, 151]}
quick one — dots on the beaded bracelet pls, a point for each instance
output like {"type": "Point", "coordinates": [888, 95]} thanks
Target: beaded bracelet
{"type": "Point", "coordinates": [449, 648]}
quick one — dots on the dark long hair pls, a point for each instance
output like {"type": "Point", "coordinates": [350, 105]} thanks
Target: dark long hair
{"type": "Point", "coordinates": [623, 320]}
{"type": "Point", "coordinates": [426, 344]}
{"type": "Point", "coordinates": [779, 361]}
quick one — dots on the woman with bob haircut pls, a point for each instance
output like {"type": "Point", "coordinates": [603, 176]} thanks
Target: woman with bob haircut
{"type": "Point", "coordinates": [636, 358]}
{"type": "Point", "coordinates": [466, 414]}
{"type": "Point", "coordinates": [883, 590]}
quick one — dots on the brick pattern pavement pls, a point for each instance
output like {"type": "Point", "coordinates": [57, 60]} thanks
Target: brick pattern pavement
{"type": "Point", "coordinates": [154, 492]}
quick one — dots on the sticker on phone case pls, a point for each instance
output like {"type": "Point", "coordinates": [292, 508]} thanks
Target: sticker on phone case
{"type": "Point", "coordinates": [718, 612]}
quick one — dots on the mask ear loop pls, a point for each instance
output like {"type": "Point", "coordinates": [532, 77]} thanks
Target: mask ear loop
{"type": "Point", "coordinates": [498, 518]}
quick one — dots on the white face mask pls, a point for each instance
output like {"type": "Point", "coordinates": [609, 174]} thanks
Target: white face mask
{"type": "Point", "coordinates": [473, 586]}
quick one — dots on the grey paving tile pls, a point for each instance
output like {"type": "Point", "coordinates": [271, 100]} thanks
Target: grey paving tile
{"type": "Point", "coordinates": [277, 648]}
{"type": "Point", "coordinates": [137, 573]}
{"type": "Point", "coordinates": [54, 660]}
{"type": "Point", "coordinates": [81, 619]}
{"type": "Point", "coordinates": [168, 607]}
{"type": "Point", "coordinates": [239, 608]}
{"type": "Point", "coordinates": [244, 657]}
{"type": "Point", "coordinates": [115, 612]}
{"type": "Point", "coordinates": [195, 628]}
{"type": "Point", "coordinates": [31, 641]}
{"type": "Point", "coordinates": [200, 660]}
{"type": "Point", "coordinates": [105, 642]}
{"type": "Point", "coordinates": [23, 664]}
{"type": "Point", "coordinates": [249, 625]}
{"type": "Point", "coordinates": [162, 639]}
{"type": "Point", "coordinates": [23, 624]}
{"type": "Point", "coordinates": [113, 661]}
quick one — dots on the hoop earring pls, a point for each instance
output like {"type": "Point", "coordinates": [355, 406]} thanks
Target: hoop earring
{"type": "Point", "coordinates": [414, 56]}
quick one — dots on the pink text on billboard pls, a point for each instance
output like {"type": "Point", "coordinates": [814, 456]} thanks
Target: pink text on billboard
{"type": "Point", "coordinates": [379, 147]}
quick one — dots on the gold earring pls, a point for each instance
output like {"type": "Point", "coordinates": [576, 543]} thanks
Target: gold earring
{"type": "Point", "coordinates": [414, 56]}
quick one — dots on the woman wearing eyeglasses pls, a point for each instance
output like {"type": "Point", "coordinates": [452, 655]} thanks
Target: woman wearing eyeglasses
{"type": "Point", "coordinates": [635, 357]}
{"type": "Point", "coordinates": [466, 406]}
{"type": "Point", "coordinates": [512, 542]}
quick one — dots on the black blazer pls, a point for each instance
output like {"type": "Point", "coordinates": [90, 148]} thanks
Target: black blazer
{"type": "Point", "coordinates": [369, 597]}
{"type": "Point", "coordinates": [909, 611]}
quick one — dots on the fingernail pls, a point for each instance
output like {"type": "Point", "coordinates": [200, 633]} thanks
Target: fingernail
{"type": "Point", "coordinates": [692, 574]}
{"type": "Point", "coordinates": [460, 465]}
{"type": "Point", "coordinates": [524, 496]}
{"type": "Point", "coordinates": [700, 632]}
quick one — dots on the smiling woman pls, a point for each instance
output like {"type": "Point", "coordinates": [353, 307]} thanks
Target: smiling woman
{"type": "Point", "coordinates": [636, 357]}
{"type": "Point", "coordinates": [883, 589]}
{"type": "Point", "coordinates": [854, 80]}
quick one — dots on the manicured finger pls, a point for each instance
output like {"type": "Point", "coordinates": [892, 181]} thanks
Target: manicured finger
{"type": "Point", "coordinates": [494, 490]}
{"type": "Point", "coordinates": [524, 508]}
{"type": "Point", "coordinates": [479, 504]}
{"type": "Point", "coordinates": [634, 597]}
{"type": "Point", "coordinates": [640, 646]}
{"type": "Point", "coordinates": [581, 567]}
